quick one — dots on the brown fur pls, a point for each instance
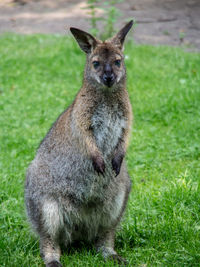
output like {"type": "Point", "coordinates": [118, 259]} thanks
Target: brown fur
{"type": "Point", "coordinates": [77, 186]}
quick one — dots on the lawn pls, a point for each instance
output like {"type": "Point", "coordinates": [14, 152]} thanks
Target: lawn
{"type": "Point", "coordinates": [39, 77]}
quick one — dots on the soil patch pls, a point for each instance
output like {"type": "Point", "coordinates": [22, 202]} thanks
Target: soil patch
{"type": "Point", "coordinates": [159, 22]}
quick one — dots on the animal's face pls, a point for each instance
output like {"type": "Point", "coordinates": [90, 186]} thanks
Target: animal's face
{"type": "Point", "coordinates": [105, 65]}
{"type": "Point", "coordinates": [105, 60]}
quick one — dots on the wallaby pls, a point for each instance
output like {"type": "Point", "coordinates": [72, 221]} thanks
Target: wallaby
{"type": "Point", "coordinates": [77, 186]}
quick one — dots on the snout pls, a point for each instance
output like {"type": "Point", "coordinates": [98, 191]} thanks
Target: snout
{"type": "Point", "coordinates": [108, 80]}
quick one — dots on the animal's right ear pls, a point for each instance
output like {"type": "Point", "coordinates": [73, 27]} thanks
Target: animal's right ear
{"type": "Point", "coordinates": [85, 40]}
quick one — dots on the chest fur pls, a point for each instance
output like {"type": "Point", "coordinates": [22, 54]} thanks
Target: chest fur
{"type": "Point", "coordinates": [108, 123]}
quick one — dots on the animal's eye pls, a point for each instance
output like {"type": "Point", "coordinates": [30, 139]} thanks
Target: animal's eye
{"type": "Point", "coordinates": [96, 64]}
{"type": "Point", "coordinates": [118, 63]}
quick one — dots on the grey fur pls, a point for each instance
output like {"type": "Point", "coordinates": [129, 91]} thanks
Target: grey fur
{"type": "Point", "coordinates": [66, 199]}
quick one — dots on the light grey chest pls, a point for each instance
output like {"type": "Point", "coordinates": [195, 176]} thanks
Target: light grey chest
{"type": "Point", "coordinates": [107, 123]}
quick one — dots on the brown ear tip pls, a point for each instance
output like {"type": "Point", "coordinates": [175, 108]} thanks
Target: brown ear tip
{"type": "Point", "coordinates": [131, 22]}
{"type": "Point", "coordinates": [72, 29]}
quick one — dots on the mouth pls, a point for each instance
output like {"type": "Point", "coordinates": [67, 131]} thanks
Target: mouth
{"type": "Point", "coordinates": [108, 83]}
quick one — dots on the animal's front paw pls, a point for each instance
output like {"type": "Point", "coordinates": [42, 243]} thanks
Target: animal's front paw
{"type": "Point", "coordinates": [117, 162]}
{"type": "Point", "coordinates": [98, 164]}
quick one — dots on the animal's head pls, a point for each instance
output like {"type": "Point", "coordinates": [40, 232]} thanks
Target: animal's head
{"type": "Point", "coordinates": [105, 60]}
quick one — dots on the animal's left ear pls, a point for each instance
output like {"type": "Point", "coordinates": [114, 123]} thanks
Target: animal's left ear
{"type": "Point", "coordinates": [119, 38]}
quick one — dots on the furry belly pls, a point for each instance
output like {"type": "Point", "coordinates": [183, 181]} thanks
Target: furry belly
{"type": "Point", "coordinates": [82, 222]}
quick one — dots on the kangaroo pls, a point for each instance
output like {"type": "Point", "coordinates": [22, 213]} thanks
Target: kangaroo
{"type": "Point", "coordinates": [77, 186]}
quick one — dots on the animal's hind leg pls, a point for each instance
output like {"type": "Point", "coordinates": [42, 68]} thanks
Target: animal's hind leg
{"type": "Point", "coordinates": [106, 236]}
{"type": "Point", "coordinates": [52, 223]}
{"type": "Point", "coordinates": [105, 245]}
{"type": "Point", "coordinates": [50, 252]}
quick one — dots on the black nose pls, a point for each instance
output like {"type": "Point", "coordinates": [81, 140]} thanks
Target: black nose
{"type": "Point", "coordinates": [108, 79]}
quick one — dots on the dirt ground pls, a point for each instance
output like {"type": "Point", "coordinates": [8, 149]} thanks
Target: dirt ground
{"type": "Point", "coordinates": [168, 22]}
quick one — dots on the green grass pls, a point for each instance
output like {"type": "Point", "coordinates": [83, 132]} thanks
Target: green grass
{"type": "Point", "coordinates": [39, 77]}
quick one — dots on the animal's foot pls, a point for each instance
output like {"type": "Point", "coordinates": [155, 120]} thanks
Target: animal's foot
{"type": "Point", "coordinates": [54, 264]}
{"type": "Point", "coordinates": [119, 260]}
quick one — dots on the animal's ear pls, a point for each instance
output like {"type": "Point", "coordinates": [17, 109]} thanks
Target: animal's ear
{"type": "Point", "coordinates": [119, 38]}
{"type": "Point", "coordinates": [85, 40]}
